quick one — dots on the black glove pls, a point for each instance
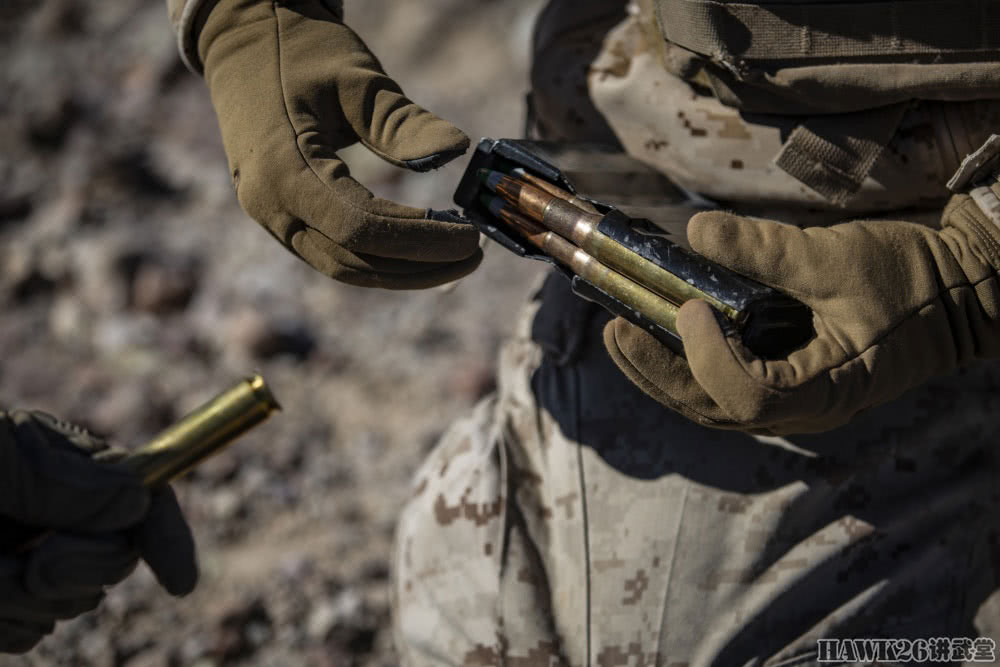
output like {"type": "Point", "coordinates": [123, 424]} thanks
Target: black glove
{"type": "Point", "coordinates": [97, 520]}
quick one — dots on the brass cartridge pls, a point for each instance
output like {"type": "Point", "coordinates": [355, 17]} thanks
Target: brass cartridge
{"type": "Point", "coordinates": [203, 432]}
{"type": "Point", "coordinates": [521, 174]}
{"type": "Point", "coordinates": [559, 215]}
{"type": "Point", "coordinates": [635, 296]}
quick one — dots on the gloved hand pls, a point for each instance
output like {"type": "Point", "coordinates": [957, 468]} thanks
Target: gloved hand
{"type": "Point", "coordinates": [894, 305]}
{"type": "Point", "coordinates": [99, 520]}
{"type": "Point", "coordinates": [291, 86]}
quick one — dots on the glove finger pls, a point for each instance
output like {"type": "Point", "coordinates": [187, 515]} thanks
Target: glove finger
{"type": "Point", "coordinates": [77, 436]}
{"type": "Point", "coordinates": [322, 196]}
{"type": "Point", "coordinates": [661, 374]}
{"type": "Point", "coordinates": [348, 214]}
{"type": "Point", "coordinates": [715, 367]}
{"type": "Point", "coordinates": [165, 542]}
{"type": "Point", "coordinates": [372, 104]}
{"type": "Point", "coordinates": [65, 566]}
{"type": "Point", "coordinates": [44, 485]}
{"type": "Point", "coordinates": [371, 271]}
{"type": "Point", "coordinates": [17, 636]}
{"type": "Point", "coordinates": [756, 393]}
{"type": "Point", "coordinates": [776, 254]}
{"type": "Point", "coordinates": [17, 603]}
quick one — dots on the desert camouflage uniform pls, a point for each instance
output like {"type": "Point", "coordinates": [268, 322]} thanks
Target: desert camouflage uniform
{"type": "Point", "coordinates": [572, 520]}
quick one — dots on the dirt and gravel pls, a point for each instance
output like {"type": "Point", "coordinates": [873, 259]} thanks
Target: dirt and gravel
{"type": "Point", "coordinates": [133, 288]}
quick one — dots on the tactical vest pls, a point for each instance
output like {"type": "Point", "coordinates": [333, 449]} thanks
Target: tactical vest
{"type": "Point", "coordinates": [849, 68]}
{"type": "Point", "coordinates": [809, 56]}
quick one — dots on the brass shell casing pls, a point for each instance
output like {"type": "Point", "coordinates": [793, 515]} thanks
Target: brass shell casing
{"type": "Point", "coordinates": [568, 221]}
{"type": "Point", "coordinates": [530, 201]}
{"type": "Point", "coordinates": [206, 430]}
{"type": "Point", "coordinates": [633, 295]}
{"type": "Point", "coordinates": [554, 190]}
{"type": "Point", "coordinates": [554, 212]}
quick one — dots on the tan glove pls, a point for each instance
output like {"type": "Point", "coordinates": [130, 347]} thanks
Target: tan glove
{"type": "Point", "coordinates": [895, 303]}
{"type": "Point", "coordinates": [291, 86]}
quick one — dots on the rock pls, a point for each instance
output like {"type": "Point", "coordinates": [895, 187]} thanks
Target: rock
{"type": "Point", "coordinates": [294, 568]}
{"type": "Point", "coordinates": [344, 623]}
{"type": "Point", "coordinates": [193, 649]}
{"type": "Point", "coordinates": [218, 469]}
{"type": "Point", "coordinates": [26, 277]}
{"type": "Point", "coordinates": [134, 172]}
{"type": "Point", "coordinates": [51, 123]}
{"type": "Point", "coordinates": [95, 648]}
{"type": "Point", "coordinates": [435, 340]}
{"type": "Point", "coordinates": [356, 639]}
{"type": "Point", "coordinates": [100, 285]}
{"type": "Point", "coordinates": [129, 647]}
{"type": "Point", "coordinates": [473, 381]}
{"type": "Point", "coordinates": [117, 334]}
{"type": "Point", "coordinates": [14, 207]}
{"type": "Point", "coordinates": [70, 321]}
{"type": "Point", "coordinates": [154, 656]}
{"type": "Point", "coordinates": [374, 570]}
{"type": "Point", "coordinates": [160, 283]}
{"type": "Point", "coordinates": [321, 620]}
{"type": "Point", "coordinates": [159, 288]}
{"type": "Point", "coordinates": [32, 286]}
{"type": "Point", "coordinates": [254, 481]}
{"type": "Point", "coordinates": [227, 504]}
{"type": "Point", "coordinates": [131, 409]}
{"type": "Point", "coordinates": [55, 19]}
{"type": "Point", "coordinates": [286, 457]}
{"type": "Point", "coordinates": [13, 12]}
{"type": "Point", "coordinates": [242, 630]}
{"type": "Point", "coordinates": [263, 337]}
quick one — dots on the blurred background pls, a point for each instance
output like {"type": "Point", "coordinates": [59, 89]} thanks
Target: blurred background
{"type": "Point", "coordinates": [133, 288]}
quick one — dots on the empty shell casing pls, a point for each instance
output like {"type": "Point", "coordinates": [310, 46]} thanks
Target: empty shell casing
{"type": "Point", "coordinates": [204, 431]}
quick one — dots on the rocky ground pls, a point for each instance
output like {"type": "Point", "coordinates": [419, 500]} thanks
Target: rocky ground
{"type": "Point", "coordinates": [133, 288]}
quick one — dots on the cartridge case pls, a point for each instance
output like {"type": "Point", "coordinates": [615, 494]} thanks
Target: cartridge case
{"type": "Point", "coordinates": [635, 296]}
{"type": "Point", "coordinates": [554, 190]}
{"type": "Point", "coordinates": [564, 219]}
{"type": "Point", "coordinates": [640, 211]}
{"type": "Point", "coordinates": [556, 213]}
{"type": "Point", "coordinates": [207, 429]}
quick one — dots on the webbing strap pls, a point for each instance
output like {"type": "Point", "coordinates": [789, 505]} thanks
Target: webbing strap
{"type": "Point", "coordinates": [979, 173]}
{"type": "Point", "coordinates": [834, 154]}
{"type": "Point", "coordinates": [804, 30]}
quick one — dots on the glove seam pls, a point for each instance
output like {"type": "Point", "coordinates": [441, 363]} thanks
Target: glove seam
{"type": "Point", "coordinates": [297, 135]}
{"type": "Point", "coordinates": [385, 156]}
{"type": "Point", "coordinates": [992, 245]}
{"type": "Point", "coordinates": [938, 297]}
{"type": "Point", "coordinates": [187, 42]}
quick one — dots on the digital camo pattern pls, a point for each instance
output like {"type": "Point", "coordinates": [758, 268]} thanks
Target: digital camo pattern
{"type": "Point", "coordinates": [719, 152]}
{"type": "Point", "coordinates": [481, 575]}
{"type": "Point", "coordinates": [572, 520]}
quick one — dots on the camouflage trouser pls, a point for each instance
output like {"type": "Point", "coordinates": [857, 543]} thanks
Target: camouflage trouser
{"type": "Point", "coordinates": [573, 520]}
